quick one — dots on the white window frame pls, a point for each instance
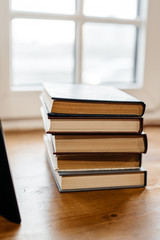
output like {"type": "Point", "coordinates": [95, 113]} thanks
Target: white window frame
{"type": "Point", "coordinates": [16, 104]}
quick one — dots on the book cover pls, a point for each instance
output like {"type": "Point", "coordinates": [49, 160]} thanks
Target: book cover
{"type": "Point", "coordinates": [84, 100]}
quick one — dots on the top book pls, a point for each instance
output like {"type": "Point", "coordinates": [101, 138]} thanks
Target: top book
{"type": "Point", "coordinates": [85, 100]}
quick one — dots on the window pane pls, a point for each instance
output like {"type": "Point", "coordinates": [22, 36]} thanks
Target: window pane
{"type": "Point", "coordinates": [108, 53]}
{"type": "Point", "coordinates": [111, 8]}
{"type": "Point", "coordinates": [42, 50]}
{"type": "Point", "coordinates": [46, 6]}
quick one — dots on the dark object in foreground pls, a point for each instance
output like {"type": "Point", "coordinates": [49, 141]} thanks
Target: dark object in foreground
{"type": "Point", "coordinates": [8, 202]}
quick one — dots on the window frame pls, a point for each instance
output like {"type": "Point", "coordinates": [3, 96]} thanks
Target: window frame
{"type": "Point", "coordinates": [15, 103]}
{"type": "Point", "coordinates": [79, 19]}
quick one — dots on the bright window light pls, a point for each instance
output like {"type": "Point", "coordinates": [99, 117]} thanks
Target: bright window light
{"type": "Point", "coordinates": [126, 9]}
{"type": "Point", "coordinates": [42, 50]}
{"type": "Point", "coordinates": [44, 6]}
{"type": "Point", "coordinates": [104, 58]}
{"type": "Point", "coordinates": [83, 41]}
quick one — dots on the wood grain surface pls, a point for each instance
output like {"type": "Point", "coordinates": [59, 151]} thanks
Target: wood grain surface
{"type": "Point", "coordinates": [109, 214]}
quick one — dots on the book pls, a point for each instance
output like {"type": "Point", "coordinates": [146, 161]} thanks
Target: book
{"type": "Point", "coordinates": [85, 181]}
{"type": "Point", "coordinates": [90, 162]}
{"type": "Point", "coordinates": [83, 100]}
{"type": "Point", "coordinates": [58, 125]}
{"type": "Point", "coordinates": [109, 143]}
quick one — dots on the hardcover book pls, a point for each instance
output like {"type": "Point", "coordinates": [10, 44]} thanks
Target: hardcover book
{"type": "Point", "coordinates": [83, 100]}
{"type": "Point", "coordinates": [108, 143]}
{"type": "Point", "coordinates": [71, 125]}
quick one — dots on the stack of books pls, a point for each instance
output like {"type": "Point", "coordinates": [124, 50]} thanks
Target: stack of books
{"type": "Point", "coordinates": [94, 137]}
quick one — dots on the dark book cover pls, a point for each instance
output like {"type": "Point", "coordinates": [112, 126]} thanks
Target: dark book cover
{"type": "Point", "coordinates": [81, 92]}
{"type": "Point", "coordinates": [97, 172]}
{"type": "Point", "coordinates": [88, 93]}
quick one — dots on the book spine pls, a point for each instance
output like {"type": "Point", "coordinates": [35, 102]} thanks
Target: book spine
{"type": "Point", "coordinates": [145, 143]}
{"type": "Point", "coordinates": [144, 107]}
{"type": "Point", "coordinates": [145, 178]}
{"type": "Point", "coordinates": [141, 125]}
{"type": "Point", "coordinates": [140, 160]}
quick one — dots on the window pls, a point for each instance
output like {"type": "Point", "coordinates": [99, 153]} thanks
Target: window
{"type": "Point", "coordinates": [89, 41]}
{"type": "Point", "coordinates": [78, 41]}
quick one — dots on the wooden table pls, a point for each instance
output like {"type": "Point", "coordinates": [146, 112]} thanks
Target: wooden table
{"type": "Point", "coordinates": [48, 214]}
